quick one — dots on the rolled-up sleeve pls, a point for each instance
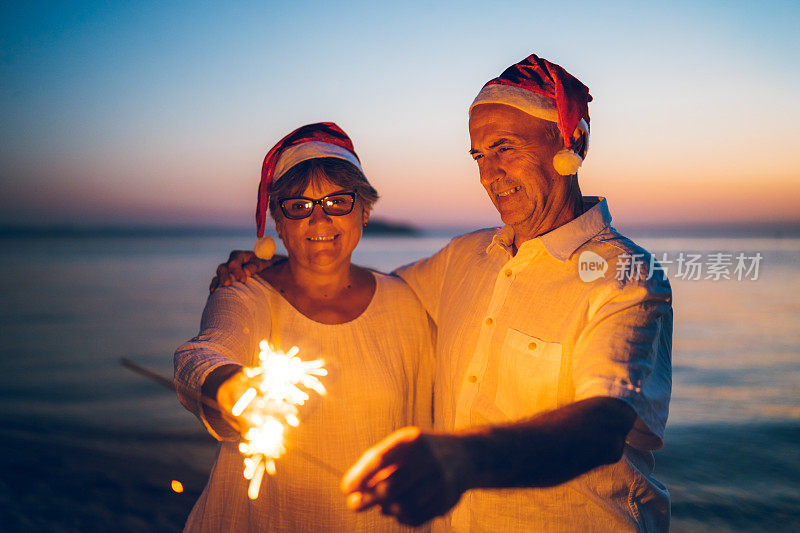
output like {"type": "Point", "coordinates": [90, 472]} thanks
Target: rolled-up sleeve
{"type": "Point", "coordinates": [625, 352]}
{"type": "Point", "coordinates": [230, 330]}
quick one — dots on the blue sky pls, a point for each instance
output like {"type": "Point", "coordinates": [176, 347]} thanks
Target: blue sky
{"type": "Point", "coordinates": [146, 113]}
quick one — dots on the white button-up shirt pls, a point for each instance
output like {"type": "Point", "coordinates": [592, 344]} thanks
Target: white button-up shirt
{"type": "Point", "coordinates": [563, 319]}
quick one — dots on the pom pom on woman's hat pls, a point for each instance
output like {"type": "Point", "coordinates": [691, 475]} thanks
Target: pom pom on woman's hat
{"type": "Point", "coordinates": [265, 247]}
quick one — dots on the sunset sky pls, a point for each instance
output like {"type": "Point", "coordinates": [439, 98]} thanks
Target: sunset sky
{"type": "Point", "coordinates": [155, 113]}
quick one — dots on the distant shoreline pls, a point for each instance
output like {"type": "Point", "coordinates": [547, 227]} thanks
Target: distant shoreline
{"type": "Point", "coordinates": [375, 227]}
{"type": "Point", "coordinates": [383, 228]}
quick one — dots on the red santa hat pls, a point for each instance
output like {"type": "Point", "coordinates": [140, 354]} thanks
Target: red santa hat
{"type": "Point", "coordinates": [322, 139]}
{"type": "Point", "coordinates": [547, 91]}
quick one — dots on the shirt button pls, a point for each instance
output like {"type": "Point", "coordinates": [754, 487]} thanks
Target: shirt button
{"type": "Point", "coordinates": [532, 346]}
{"type": "Point", "coordinates": [508, 273]}
{"type": "Point", "coordinates": [472, 379]}
{"type": "Point", "coordinates": [489, 321]}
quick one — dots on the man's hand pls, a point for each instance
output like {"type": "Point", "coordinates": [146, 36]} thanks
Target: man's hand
{"type": "Point", "coordinates": [241, 265]}
{"type": "Point", "coordinates": [416, 476]}
{"type": "Point", "coordinates": [412, 475]}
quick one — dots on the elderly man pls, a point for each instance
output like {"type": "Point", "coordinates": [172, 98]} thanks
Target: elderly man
{"type": "Point", "coordinates": [553, 380]}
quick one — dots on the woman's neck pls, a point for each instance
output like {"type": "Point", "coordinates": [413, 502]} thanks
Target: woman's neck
{"type": "Point", "coordinates": [320, 284]}
{"type": "Point", "coordinates": [330, 297]}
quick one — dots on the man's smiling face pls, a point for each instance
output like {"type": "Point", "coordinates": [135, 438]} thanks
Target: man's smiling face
{"type": "Point", "coordinates": [514, 152]}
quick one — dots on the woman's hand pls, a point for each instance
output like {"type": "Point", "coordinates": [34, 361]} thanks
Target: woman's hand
{"type": "Point", "coordinates": [228, 394]}
{"type": "Point", "coordinates": [224, 386]}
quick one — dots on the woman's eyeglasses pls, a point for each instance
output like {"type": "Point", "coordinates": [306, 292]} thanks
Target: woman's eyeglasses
{"type": "Point", "coordinates": [338, 204]}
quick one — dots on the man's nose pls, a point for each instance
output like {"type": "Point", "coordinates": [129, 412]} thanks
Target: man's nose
{"type": "Point", "coordinates": [491, 171]}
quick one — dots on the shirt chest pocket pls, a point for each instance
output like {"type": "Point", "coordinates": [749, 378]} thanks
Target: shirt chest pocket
{"type": "Point", "coordinates": [528, 375]}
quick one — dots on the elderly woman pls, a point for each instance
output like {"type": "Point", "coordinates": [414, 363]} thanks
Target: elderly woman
{"type": "Point", "coordinates": [370, 328]}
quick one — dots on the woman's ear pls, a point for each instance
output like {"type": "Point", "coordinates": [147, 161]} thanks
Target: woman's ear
{"type": "Point", "coordinates": [279, 226]}
{"type": "Point", "coordinates": [364, 217]}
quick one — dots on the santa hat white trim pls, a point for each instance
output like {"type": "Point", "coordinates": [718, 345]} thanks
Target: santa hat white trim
{"type": "Point", "coordinates": [523, 99]}
{"type": "Point", "coordinates": [566, 162]}
{"type": "Point", "coordinates": [312, 150]}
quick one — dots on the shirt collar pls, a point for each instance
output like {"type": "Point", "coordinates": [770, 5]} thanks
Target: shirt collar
{"type": "Point", "coordinates": [503, 239]}
{"type": "Point", "coordinates": [562, 242]}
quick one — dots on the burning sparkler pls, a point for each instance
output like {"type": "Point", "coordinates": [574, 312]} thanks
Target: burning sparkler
{"type": "Point", "coordinates": [270, 404]}
{"type": "Point", "coordinates": [268, 407]}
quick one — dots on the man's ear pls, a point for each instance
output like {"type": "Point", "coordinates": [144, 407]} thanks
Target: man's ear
{"type": "Point", "coordinates": [582, 144]}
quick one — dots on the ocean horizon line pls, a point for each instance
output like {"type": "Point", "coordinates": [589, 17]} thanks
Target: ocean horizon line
{"type": "Point", "coordinates": [382, 228]}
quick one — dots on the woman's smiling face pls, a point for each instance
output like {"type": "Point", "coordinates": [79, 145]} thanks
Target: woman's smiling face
{"type": "Point", "coordinates": [320, 241]}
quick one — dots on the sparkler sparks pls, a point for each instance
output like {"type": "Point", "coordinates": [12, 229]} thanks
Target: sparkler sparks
{"type": "Point", "coordinates": [254, 462]}
{"type": "Point", "coordinates": [271, 404]}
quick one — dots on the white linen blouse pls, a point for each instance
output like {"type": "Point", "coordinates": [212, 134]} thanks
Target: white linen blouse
{"type": "Point", "coordinates": [380, 379]}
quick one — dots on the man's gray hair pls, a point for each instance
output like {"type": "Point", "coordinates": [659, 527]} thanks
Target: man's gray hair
{"type": "Point", "coordinates": [552, 133]}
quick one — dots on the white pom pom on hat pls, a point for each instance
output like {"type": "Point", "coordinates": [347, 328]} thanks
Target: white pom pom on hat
{"type": "Point", "coordinates": [265, 247]}
{"type": "Point", "coordinates": [566, 162]}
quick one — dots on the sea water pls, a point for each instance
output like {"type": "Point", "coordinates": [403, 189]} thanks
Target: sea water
{"type": "Point", "coordinates": [73, 306]}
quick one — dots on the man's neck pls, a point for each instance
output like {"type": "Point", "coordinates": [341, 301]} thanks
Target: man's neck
{"type": "Point", "coordinates": [555, 216]}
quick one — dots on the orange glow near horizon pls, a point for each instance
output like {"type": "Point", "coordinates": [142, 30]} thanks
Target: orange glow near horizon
{"type": "Point", "coordinates": [446, 191]}
{"type": "Point", "coordinates": [701, 130]}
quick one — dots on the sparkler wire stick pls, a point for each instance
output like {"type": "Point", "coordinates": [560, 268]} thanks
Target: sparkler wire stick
{"type": "Point", "coordinates": [169, 384]}
{"type": "Point", "coordinates": [162, 380]}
